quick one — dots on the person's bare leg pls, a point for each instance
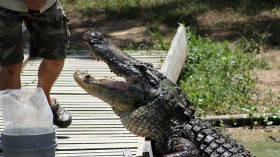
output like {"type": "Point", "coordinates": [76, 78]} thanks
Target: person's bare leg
{"type": "Point", "coordinates": [48, 73]}
{"type": "Point", "coordinates": [10, 76]}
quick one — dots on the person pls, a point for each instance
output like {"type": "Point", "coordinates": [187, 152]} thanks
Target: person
{"type": "Point", "coordinates": [47, 25]}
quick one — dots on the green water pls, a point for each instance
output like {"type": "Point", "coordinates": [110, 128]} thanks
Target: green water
{"type": "Point", "coordinates": [264, 149]}
{"type": "Point", "coordinates": [261, 143]}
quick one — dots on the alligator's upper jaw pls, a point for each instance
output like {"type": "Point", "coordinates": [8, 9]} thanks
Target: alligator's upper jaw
{"type": "Point", "coordinates": [119, 62]}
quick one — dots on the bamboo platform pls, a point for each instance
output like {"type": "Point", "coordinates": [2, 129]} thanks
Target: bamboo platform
{"type": "Point", "coordinates": [95, 129]}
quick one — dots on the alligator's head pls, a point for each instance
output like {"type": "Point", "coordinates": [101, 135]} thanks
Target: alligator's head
{"type": "Point", "coordinates": [121, 95]}
{"type": "Point", "coordinates": [143, 92]}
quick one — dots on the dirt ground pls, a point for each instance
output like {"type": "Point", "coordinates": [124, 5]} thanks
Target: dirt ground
{"type": "Point", "coordinates": [118, 31]}
{"type": "Point", "coordinates": [269, 79]}
{"type": "Point", "coordinates": [122, 32]}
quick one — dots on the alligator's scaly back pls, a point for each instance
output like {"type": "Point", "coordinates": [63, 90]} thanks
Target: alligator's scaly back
{"type": "Point", "coordinates": [150, 105]}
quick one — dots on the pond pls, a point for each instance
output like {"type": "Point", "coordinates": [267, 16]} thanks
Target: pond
{"type": "Point", "coordinates": [261, 142]}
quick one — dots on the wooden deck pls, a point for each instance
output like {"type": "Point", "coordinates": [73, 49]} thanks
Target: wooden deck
{"type": "Point", "coordinates": [95, 130]}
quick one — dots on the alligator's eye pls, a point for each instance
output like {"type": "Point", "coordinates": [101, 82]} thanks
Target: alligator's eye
{"type": "Point", "coordinates": [152, 81]}
{"type": "Point", "coordinates": [151, 78]}
{"type": "Point", "coordinates": [142, 67]}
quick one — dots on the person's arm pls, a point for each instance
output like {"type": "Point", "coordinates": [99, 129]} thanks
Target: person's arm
{"type": "Point", "coordinates": [35, 4]}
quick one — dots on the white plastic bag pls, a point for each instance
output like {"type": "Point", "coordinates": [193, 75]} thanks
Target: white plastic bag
{"type": "Point", "coordinates": [25, 112]}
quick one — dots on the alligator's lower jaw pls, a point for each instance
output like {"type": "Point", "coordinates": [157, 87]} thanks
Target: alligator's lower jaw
{"type": "Point", "coordinates": [84, 79]}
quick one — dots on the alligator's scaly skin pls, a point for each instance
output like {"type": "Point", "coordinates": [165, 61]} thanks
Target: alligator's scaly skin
{"type": "Point", "coordinates": [150, 105]}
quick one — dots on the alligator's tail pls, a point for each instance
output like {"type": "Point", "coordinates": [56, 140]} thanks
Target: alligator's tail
{"type": "Point", "coordinates": [211, 141]}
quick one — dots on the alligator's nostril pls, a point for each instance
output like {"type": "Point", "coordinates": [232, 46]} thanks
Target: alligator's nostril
{"type": "Point", "coordinates": [87, 76]}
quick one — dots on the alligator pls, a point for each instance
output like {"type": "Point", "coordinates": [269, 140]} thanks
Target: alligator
{"type": "Point", "coordinates": [151, 106]}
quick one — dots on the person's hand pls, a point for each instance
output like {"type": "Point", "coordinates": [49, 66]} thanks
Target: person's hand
{"type": "Point", "coordinates": [35, 4]}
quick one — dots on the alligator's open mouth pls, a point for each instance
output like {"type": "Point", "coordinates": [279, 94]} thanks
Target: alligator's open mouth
{"type": "Point", "coordinates": [97, 45]}
{"type": "Point", "coordinates": [109, 83]}
{"type": "Point", "coordinates": [122, 93]}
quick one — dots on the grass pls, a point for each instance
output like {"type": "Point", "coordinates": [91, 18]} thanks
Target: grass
{"type": "Point", "coordinates": [218, 79]}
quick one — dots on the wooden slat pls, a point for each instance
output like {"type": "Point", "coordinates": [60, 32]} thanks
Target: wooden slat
{"type": "Point", "coordinates": [95, 130]}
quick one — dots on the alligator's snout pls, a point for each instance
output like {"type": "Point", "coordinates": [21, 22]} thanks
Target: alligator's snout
{"type": "Point", "coordinates": [92, 37]}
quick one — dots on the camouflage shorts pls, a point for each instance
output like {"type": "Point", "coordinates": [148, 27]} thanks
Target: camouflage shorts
{"type": "Point", "coordinates": [48, 32]}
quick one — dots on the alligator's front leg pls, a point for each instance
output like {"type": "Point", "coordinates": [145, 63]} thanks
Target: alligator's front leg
{"type": "Point", "coordinates": [179, 147]}
{"type": "Point", "coordinates": [173, 144]}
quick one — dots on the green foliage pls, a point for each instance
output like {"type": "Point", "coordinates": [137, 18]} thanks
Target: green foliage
{"type": "Point", "coordinates": [161, 43]}
{"type": "Point", "coordinates": [255, 42]}
{"type": "Point", "coordinates": [119, 8]}
{"type": "Point", "coordinates": [218, 79]}
{"type": "Point", "coordinates": [262, 117]}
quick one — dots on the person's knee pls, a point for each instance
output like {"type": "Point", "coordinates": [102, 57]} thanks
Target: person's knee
{"type": "Point", "coordinates": [11, 70]}
{"type": "Point", "coordinates": [10, 76]}
{"type": "Point", "coordinates": [56, 63]}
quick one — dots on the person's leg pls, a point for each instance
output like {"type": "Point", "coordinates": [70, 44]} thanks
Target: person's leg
{"type": "Point", "coordinates": [48, 72]}
{"type": "Point", "coordinates": [48, 33]}
{"type": "Point", "coordinates": [10, 76]}
{"type": "Point", "coordinates": [11, 49]}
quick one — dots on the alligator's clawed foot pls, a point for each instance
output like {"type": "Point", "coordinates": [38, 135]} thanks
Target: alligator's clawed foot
{"type": "Point", "coordinates": [179, 147]}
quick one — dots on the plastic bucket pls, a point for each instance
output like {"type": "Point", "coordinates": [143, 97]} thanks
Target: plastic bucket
{"type": "Point", "coordinates": [41, 145]}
